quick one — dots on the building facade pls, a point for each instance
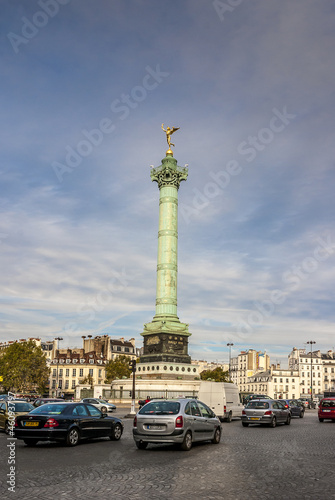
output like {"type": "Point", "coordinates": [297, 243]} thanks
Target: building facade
{"type": "Point", "coordinates": [316, 370]}
{"type": "Point", "coordinates": [247, 364]}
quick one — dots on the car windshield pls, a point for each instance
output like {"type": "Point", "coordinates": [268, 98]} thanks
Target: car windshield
{"type": "Point", "coordinates": [19, 407]}
{"type": "Point", "coordinates": [328, 403]}
{"type": "Point", "coordinates": [258, 405]}
{"type": "Point", "coordinates": [160, 408]}
{"type": "Point", "coordinates": [49, 409]}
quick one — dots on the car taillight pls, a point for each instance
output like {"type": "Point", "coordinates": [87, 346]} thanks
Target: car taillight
{"type": "Point", "coordinates": [243, 412]}
{"type": "Point", "coordinates": [51, 422]}
{"type": "Point", "coordinates": [179, 421]}
{"type": "Point", "coordinates": [269, 412]}
{"type": "Point", "coordinates": [135, 422]}
{"type": "Point", "coordinates": [16, 424]}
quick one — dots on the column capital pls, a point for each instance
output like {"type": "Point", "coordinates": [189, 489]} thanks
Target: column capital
{"type": "Point", "coordinates": [169, 173]}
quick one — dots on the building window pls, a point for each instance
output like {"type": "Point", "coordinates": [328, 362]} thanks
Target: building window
{"type": "Point", "coordinates": [61, 372]}
{"type": "Point", "coordinates": [67, 372]}
{"type": "Point", "coordinates": [81, 372]}
{"type": "Point", "coordinates": [73, 384]}
{"type": "Point", "coordinates": [54, 372]}
{"type": "Point", "coordinates": [66, 384]}
{"type": "Point", "coordinates": [54, 384]}
{"type": "Point", "coordinates": [90, 372]}
{"type": "Point", "coordinates": [73, 372]}
{"type": "Point", "coordinates": [100, 372]}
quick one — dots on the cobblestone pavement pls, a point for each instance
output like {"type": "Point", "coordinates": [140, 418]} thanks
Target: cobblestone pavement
{"type": "Point", "coordinates": [288, 462]}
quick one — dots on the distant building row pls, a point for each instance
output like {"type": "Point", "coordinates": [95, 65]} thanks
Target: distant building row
{"type": "Point", "coordinates": [251, 370]}
{"type": "Point", "coordinates": [252, 373]}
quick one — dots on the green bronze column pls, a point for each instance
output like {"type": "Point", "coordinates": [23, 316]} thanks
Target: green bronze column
{"type": "Point", "coordinates": [166, 338]}
{"type": "Point", "coordinates": [168, 178]}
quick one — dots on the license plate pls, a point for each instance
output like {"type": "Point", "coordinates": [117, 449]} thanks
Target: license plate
{"type": "Point", "coordinates": [326, 410]}
{"type": "Point", "coordinates": [30, 424]}
{"type": "Point", "coordinates": [254, 418]}
{"type": "Point", "coordinates": [154, 427]}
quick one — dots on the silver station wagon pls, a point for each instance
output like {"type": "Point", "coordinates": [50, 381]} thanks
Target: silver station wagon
{"type": "Point", "coordinates": [181, 421]}
{"type": "Point", "coordinates": [265, 411]}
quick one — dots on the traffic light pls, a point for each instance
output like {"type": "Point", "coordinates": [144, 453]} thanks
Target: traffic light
{"type": "Point", "coordinates": [132, 365]}
{"type": "Point", "coordinates": [130, 394]}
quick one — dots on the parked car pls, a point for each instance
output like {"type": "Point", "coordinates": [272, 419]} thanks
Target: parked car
{"type": "Point", "coordinates": [296, 409]}
{"type": "Point", "coordinates": [99, 403]}
{"type": "Point", "coordinates": [326, 409]}
{"type": "Point", "coordinates": [182, 421]}
{"type": "Point", "coordinates": [10, 408]}
{"type": "Point", "coordinates": [67, 422]}
{"type": "Point", "coordinates": [265, 411]}
{"type": "Point", "coordinates": [42, 401]}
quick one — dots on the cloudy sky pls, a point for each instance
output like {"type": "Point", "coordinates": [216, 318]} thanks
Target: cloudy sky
{"type": "Point", "coordinates": [85, 86]}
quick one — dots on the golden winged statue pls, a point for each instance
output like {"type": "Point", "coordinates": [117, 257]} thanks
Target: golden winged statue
{"type": "Point", "coordinates": [169, 131]}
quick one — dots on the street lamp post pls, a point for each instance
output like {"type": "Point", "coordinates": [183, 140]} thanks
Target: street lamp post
{"type": "Point", "coordinates": [57, 381]}
{"type": "Point", "coordinates": [311, 342]}
{"type": "Point", "coordinates": [132, 366]}
{"type": "Point", "coordinates": [230, 346]}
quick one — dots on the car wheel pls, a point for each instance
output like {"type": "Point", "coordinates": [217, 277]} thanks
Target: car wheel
{"type": "Point", "coordinates": [245, 424]}
{"type": "Point", "coordinates": [273, 422]}
{"type": "Point", "coordinates": [229, 418]}
{"type": "Point", "coordinates": [141, 445]}
{"type": "Point", "coordinates": [103, 408]}
{"type": "Point", "coordinates": [217, 436]}
{"type": "Point", "coordinates": [187, 443]}
{"type": "Point", "coordinates": [73, 437]}
{"type": "Point", "coordinates": [320, 419]}
{"type": "Point", "coordinates": [116, 432]}
{"type": "Point", "coordinates": [288, 420]}
{"type": "Point", "coordinates": [6, 428]}
{"type": "Point", "coordinates": [30, 442]}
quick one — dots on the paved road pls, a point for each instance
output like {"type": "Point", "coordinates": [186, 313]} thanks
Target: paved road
{"type": "Point", "coordinates": [288, 462]}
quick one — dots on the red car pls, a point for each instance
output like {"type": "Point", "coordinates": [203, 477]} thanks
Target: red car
{"type": "Point", "coordinates": [326, 409]}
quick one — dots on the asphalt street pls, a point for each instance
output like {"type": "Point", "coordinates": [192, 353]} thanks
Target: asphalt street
{"type": "Point", "coordinates": [287, 462]}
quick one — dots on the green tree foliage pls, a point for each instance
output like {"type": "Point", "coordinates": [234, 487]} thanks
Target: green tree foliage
{"type": "Point", "coordinates": [23, 367]}
{"type": "Point", "coordinates": [118, 368]}
{"type": "Point", "coordinates": [217, 375]}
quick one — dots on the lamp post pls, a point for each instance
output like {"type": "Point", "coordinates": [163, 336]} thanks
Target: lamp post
{"type": "Point", "coordinates": [57, 382]}
{"type": "Point", "coordinates": [132, 366]}
{"type": "Point", "coordinates": [230, 346]}
{"type": "Point", "coordinates": [311, 342]}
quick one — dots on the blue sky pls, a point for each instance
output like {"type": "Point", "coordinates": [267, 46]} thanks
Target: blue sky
{"type": "Point", "coordinates": [85, 87]}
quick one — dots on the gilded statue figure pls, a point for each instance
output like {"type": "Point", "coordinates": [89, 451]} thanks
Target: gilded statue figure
{"type": "Point", "coordinates": [169, 131]}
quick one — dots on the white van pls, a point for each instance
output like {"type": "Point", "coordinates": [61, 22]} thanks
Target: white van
{"type": "Point", "coordinates": [223, 398]}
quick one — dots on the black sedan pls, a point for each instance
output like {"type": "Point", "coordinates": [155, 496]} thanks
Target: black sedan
{"type": "Point", "coordinates": [66, 422]}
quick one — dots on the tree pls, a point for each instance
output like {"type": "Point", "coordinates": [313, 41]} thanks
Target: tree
{"type": "Point", "coordinates": [217, 375]}
{"type": "Point", "coordinates": [88, 380]}
{"type": "Point", "coordinates": [24, 367]}
{"type": "Point", "coordinates": [118, 368]}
